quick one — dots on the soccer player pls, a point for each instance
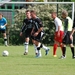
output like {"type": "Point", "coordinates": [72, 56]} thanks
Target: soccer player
{"type": "Point", "coordinates": [27, 28]}
{"type": "Point", "coordinates": [73, 30]}
{"type": "Point", "coordinates": [68, 23]}
{"type": "Point", "coordinates": [58, 33]}
{"type": "Point", "coordinates": [37, 33]}
{"type": "Point", "coordinates": [3, 24]}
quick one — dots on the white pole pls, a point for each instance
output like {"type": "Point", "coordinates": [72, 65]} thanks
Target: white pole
{"type": "Point", "coordinates": [6, 2]}
{"type": "Point", "coordinates": [73, 11]}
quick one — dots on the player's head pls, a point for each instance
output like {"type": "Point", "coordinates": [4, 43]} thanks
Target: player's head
{"type": "Point", "coordinates": [64, 14]}
{"type": "Point", "coordinates": [1, 15]}
{"type": "Point", "coordinates": [33, 14]}
{"type": "Point", "coordinates": [28, 14]}
{"type": "Point", "coordinates": [53, 15]}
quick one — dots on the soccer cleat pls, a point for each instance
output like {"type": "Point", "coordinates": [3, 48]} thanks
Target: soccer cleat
{"type": "Point", "coordinates": [62, 57]}
{"type": "Point", "coordinates": [54, 55]}
{"type": "Point", "coordinates": [47, 51]}
{"type": "Point", "coordinates": [6, 45]}
{"type": "Point", "coordinates": [38, 55]}
{"type": "Point", "coordinates": [25, 53]}
{"type": "Point", "coordinates": [73, 57]}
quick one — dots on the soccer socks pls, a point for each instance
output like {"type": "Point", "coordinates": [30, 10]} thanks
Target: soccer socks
{"type": "Point", "coordinates": [5, 41]}
{"type": "Point", "coordinates": [64, 51]}
{"type": "Point", "coordinates": [54, 49]}
{"type": "Point", "coordinates": [44, 47]}
{"type": "Point", "coordinates": [36, 51]}
{"type": "Point", "coordinates": [26, 46]}
{"type": "Point", "coordinates": [72, 50]}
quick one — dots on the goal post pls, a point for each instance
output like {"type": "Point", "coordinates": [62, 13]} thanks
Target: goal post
{"type": "Point", "coordinates": [6, 2]}
{"type": "Point", "coordinates": [10, 14]}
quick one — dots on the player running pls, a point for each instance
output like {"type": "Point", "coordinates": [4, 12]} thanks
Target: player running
{"type": "Point", "coordinates": [27, 28]}
{"type": "Point", "coordinates": [3, 24]}
{"type": "Point", "coordinates": [37, 33]}
{"type": "Point", "coordinates": [58, 33]}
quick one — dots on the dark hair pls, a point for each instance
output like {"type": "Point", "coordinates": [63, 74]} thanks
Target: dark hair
{"type": "Point", "coordinates": [27, 10]}
{"type": "Point", "coordinates": [32, 11]}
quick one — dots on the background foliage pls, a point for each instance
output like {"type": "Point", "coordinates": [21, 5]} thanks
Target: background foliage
{"type": "Point", "coordinates": [44, 12]}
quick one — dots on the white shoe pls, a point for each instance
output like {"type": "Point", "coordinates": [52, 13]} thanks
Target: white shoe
{"type": "Point", "coordinates": [62, 57]}
{"type": "Point", "coordinates": [38, 55]}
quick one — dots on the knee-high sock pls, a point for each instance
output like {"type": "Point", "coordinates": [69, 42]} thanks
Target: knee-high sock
{"type": "Point", "coordinates": [5, 40]}
{"type": "Point", "coordinates": [44, 47]}
{"type": "Point", "coordinates": [26, 46]}
{"type": "Point", "coordinates": [72, 50]}
{"type": "Point", "coordinates": [38, 48]}
{"type": "Point", "coordinates": [54, 49]}
{"type": "Point", "coordinates": [36, 51]}
{"type": "Point", "coordinates": [64, 51]}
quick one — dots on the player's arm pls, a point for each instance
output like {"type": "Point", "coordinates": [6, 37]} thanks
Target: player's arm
{"type": "Point", "coordinates": [71, 36]}
{"type": "Point", "coordinates": [66, 27]}
{"type": "Point", "coordinates": [4, 25]}
{"type": "Point", "coordinates": [39, 30]}
{"type": "Point", "coordinates": [73, 30]}
{"type": "Point", "coordinates": [22, 28]}
{"type": "Point", "coordinates": [58, 30]}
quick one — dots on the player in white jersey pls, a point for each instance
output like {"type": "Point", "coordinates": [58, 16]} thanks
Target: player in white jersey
{"type": "Point", "coordinates": [58, 33]}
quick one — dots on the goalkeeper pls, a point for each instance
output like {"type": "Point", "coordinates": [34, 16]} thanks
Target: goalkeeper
{"type": "Point", "coordinates": [3, 24]}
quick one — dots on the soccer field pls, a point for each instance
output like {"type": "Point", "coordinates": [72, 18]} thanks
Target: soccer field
{"type": "Point", "coordinates": [18, 64]}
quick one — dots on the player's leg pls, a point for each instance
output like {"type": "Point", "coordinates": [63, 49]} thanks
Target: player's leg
{"type": "Point", "coordinates": [26, 45]}
{"type": "Point", "coordinates": [71, 45]}
{"type": "Point", "coordinates": [55, 44]}
{"type": "Point", "coordinates": [60, 40]}
{"type": "Point", "coordinates": [5, 37]}
{"type": "Point", "coordinates": [37, 50]}
{"type": "Point", "coordinates": [72, 50]}
{"type": "Point", "coordinates": [64, 42]}
{"type": "Point", "coordinates": [39, 38]}
{"type": "Point", "coordinates": [45, 48]}
{"type": "Point", "coordinates": [55, 48]}
{"type": "Point", "coordinates": [61, 47]}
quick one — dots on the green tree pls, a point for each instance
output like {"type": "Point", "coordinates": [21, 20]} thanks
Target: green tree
{"type": "Point", "coordinates": [44, 12]}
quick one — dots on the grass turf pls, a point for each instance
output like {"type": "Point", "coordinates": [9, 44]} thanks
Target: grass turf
{"type": "Point", "coordinates": [18, 64]}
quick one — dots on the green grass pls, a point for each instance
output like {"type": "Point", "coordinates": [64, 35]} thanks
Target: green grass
{"type": "Point", "coordinates": [73, 0]}
{"type": "Point", "coordinates": [18, 64]}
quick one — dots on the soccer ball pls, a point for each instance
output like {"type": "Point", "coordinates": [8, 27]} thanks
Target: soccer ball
{"type": "Point", "coordinates": [5, 53]}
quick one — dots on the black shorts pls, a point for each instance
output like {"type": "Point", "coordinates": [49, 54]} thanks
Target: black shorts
{"type": "Point", "coordinates": [2, 31]}
{"type": "Point", "coordinates": [28, 33]}
{"type": "Point", "coordinates": [38, 37]}
{"type": "Point", "coordinates": [67, 39]}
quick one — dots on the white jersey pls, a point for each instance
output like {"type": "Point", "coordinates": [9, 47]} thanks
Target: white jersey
{"type": "Point", "coordinates": [58, 23]}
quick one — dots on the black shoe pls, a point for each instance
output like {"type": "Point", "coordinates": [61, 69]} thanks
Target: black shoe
{"type": "Point", "coordinates": [25, 53]}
